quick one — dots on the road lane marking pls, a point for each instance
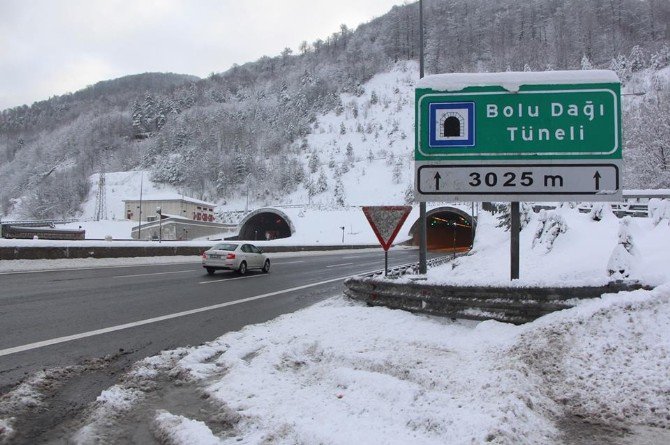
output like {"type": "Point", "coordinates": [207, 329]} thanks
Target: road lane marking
{"type": "Point", "coordinates": [154, 273]}
{"type": "Point", "coordinates": [287, 262]}
{"type": "Point", "coordinates": [343, 264]}
{"type": "Point", "coordinates": [67, 338]}
{"type": "Point", "coordinates": [231, 279]}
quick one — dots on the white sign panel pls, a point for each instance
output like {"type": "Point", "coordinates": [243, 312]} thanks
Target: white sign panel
{"type": "Point", "coordinates": [520, 181]}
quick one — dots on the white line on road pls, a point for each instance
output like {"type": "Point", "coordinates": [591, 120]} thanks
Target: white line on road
{"type": "Point", "coordinates": [121, 327]}
{"type": "Point", "coordinates": [154, 273]}
{"type": "Point", "coordinates": [288, 262]}
{"type": "Point", "coordinates": [343, 264]}
{"type": "Point", "coordinates": [231, 279]}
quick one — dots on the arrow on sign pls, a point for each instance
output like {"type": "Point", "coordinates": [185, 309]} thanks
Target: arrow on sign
{"type": "Point", "coordinates": [437, 180]}
{"type": "Point", "coordinates": [597, 178]}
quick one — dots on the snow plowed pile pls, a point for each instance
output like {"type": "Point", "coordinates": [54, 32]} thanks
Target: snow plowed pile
{"type": "Point", "coordinates": [340, 373]}
{"type": "Point", "coordinates": [606, 360]}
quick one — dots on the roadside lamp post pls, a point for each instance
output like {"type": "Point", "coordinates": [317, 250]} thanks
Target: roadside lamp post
{"type": "Point", "coordinates": [453, 239]}
{"type": "Point", "coordinates": [160, 224]}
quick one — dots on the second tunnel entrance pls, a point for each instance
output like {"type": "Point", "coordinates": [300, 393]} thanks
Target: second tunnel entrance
{"type": "Point", "coordinates": [448, 229]}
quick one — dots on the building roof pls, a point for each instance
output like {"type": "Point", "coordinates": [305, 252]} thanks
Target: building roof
{"type": "Point", "coordinates": [171, 197]}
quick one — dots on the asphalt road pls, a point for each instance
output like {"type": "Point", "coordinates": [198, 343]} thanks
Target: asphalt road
{"type": "Point", "coordinates": [63, 318]}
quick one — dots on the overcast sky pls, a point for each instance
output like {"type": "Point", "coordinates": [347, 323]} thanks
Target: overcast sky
{"type": "Point", "coordinates": [51, 47]}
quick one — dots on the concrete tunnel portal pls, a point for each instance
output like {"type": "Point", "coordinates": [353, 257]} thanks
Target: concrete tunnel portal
{"type": "Point", "coordinates": [448, 229]}
{"type": "Point", "coordinates": [265, 224]}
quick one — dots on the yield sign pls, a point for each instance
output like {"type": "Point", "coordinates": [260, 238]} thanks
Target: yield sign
{"type": "Point", "coordinates": [386, 221]}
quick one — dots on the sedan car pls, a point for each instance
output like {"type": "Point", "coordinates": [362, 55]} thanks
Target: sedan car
{"type": "Point", "coordinates": [235, 256]}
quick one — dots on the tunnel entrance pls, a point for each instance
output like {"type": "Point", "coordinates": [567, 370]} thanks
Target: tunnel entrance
{"type": "Point", "coordinates": [447, 230]}
{"type": "Point", "coordinates": [264, 225]}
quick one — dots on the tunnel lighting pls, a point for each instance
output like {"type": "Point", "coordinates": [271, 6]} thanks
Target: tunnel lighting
{"type": "Point", "coordinates": [449, 221]}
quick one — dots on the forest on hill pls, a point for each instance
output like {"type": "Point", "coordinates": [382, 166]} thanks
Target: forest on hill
{"type": "Point", "coordinates": [211, 136]}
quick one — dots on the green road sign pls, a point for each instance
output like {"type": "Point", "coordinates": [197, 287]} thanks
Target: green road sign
{"type": "Point", "coordinates": [529, 121]}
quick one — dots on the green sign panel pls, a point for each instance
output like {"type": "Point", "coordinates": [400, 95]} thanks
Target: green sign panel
{"type": "Point", "coordinates": [537, 122]}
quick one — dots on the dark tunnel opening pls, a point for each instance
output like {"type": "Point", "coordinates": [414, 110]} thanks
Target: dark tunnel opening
{"type": "Point", "coordinates": [265, 226]}
{"type": "Point", "coordinates": [446, 231]}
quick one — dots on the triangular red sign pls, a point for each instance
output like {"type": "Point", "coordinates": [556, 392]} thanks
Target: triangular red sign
{"type": "Point", "coordinates": [386, 221]}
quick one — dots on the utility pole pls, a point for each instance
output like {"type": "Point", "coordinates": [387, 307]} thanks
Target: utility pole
{"type": "Point", "coordinates": [101, 198]}
{"type": "Point", "coordinates": [139, 227]}
{"type": "Point", "coordinates": [423, 239]}
{"type": "Point", "coordinates": [159, 210]}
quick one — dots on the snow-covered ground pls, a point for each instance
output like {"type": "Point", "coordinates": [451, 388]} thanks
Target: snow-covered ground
{"type": "Point", "coordinates": [340, 372]}
{"type": "Point", "coordinates": [577, 257]}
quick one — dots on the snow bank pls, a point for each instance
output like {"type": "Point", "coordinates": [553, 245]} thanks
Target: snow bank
{"type": "Point", "coordinates": [341, 373]}
{"type": "Point", "coordinates": [606, 360]}
{"type": "Point", "coordinates": [578, 257]}
{"type": "Point", "coordinates": [179, 430]}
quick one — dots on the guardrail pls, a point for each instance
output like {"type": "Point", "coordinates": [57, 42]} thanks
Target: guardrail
{"type": "Point", "coordinates": [506, 304]}
{"type": "Point", "coordinates": [408, 269]}
{"type": "Point", "coordinates": [163, 249]}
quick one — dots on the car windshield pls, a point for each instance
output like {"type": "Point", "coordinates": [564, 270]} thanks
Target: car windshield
{"type": "Point", "coordinates": [225, 246]}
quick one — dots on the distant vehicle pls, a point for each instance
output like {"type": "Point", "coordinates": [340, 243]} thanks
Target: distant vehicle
{"type": "Point", "coordinates": [240, 257]}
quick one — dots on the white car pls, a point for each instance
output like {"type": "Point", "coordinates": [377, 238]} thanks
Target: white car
{"type": "Point", "coordinates": [235, 256]}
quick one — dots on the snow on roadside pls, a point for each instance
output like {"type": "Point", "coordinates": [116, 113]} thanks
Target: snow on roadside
{"type": "Point", "coordinates": [578, 257]}
{"type": "Point", "coordinates": [179, 430]}
{"type": "Point", "coordinates": [109, 405]}
{"type": "Point", "coordinates": [340, 372]}
{"type": "Point", "coordinates": [606, 360]}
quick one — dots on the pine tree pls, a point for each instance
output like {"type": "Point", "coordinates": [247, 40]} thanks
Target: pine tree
{"type": "Point", "coordinates": [314, 162]}
{"type": "Point", "coordinates": [339, 193]}
{"type": "Point", "coordinates": [138, 119]}
{"type": "Point", "coordinates": [397, 173]}
{"type": "Point", "coordinates": [350, 152]}
{"type": "Point", "coordinates": [321, 183]}
{"type": "Point", "coordinates": [586, 63]}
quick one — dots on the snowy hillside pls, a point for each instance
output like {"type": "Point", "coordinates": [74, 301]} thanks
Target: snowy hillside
{"type": "Point", "coordinates": [367, 144]}
{"type": "Point", "coordinates": [364, 150]}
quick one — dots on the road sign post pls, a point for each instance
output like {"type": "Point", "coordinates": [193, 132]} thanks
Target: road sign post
{"type": "Point", "coordinates": [532, 136]}
{"type": "Point", "coordinates": [386, 222]}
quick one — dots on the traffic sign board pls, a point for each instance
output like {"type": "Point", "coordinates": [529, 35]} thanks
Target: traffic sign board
{"type": "Point", "coordinates": [386, 222]}
{"type": "Point", "coordinates": [526, 182]}
{"type": "Point", "coordinates": [561, 125]}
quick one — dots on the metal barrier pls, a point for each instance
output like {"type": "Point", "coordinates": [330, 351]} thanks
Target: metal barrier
{"type": "Point", "coordinates": [408, 269]}
{"type": "Point", "coordinates": [506, 304]}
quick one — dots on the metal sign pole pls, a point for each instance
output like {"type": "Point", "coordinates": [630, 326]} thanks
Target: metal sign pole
{"type": "Point", "coordinates": [386, 263]}
{"type": "Point", "coordinates": [423, 239]}
{"type": "Point", "coordinates": [514, 240]}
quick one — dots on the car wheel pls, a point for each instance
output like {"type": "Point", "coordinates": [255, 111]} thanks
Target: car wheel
{"type": "Point", "coordinates": [266, 266]}
{"type": "Point", "coordinates": [210, 270]}
{"type": "Point", "coordinates": [243, 268]}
